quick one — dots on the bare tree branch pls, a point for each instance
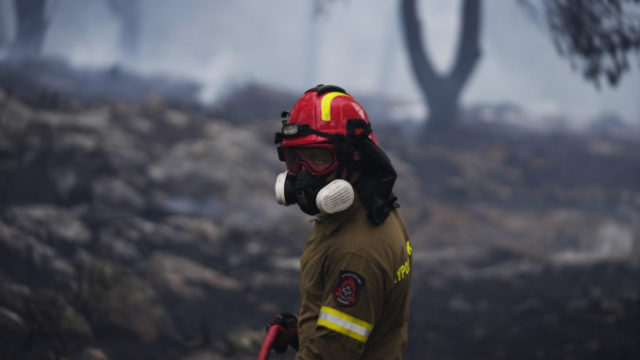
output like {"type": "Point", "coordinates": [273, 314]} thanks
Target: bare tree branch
{"type": "Point", "coordinates": [596, 36]}
{"type": "Point", "coordinates": [469, 51]}
{"type": "Point", "coordinates": [442, 92]}
{"type": "Point", "coordinates": [421, 64]}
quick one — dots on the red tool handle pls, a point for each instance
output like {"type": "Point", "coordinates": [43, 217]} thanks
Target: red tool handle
{"type": "Point", "coordinates": [269, 339]}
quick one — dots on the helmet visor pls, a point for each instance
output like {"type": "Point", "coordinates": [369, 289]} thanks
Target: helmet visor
{"type": "Point", "coordinates": [318, 159]}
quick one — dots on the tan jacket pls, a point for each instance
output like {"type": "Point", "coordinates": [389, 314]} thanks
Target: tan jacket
{"type": "Point", "coordinates": [354, 288]}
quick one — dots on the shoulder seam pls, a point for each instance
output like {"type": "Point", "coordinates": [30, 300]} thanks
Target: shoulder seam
{"type": "Point", "coordinates": [373, 262]}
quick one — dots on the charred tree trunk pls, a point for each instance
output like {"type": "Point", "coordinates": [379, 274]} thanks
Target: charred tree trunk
{"type": "Point", "coordinates": [31, 28]}
{"type": "Point", "coordinates": [441, 92]}
{"type": "Point", "coordinates": [128, 13]}
{"type": "Point", "coordinates": [6, 12]}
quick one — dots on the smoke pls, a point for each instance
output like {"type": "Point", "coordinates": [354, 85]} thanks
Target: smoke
{"type": "Point", "coordinates": [355, 43]}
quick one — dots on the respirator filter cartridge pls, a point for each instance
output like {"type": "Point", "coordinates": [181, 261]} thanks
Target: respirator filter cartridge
{"type": "Point", "coordinates": [284, 190]}
{"type": "Point", "coordinates": [336, 196]}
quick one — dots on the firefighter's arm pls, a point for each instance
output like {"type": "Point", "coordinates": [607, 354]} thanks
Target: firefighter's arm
{"type": "Point", "coordinates": [352, 302]}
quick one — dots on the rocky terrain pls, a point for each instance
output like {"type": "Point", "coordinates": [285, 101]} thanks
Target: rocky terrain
{"type": "Point", "coordinates": [148, 230]}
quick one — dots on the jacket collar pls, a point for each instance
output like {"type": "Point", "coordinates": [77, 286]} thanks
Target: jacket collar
{"type": "Point", "coordinates": [328, 223]}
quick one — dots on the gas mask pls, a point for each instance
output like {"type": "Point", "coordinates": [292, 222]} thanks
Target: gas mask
{"type": "Point", "coordinates": [312, 194]}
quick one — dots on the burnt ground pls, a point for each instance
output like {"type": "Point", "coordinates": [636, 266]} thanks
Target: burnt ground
{"type": "Point", "coordinates": [147, 229]}
{"type": "Point", "coordinates": [580, 312]}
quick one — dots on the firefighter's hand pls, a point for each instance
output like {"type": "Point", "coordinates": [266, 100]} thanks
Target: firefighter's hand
{"type": "Point", "coordinates": [289, 323]}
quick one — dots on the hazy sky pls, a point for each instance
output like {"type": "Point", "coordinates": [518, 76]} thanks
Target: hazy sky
{"type": "Point", "coordinates": [354, 43]}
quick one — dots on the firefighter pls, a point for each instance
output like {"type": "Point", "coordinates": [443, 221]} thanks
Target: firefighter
{"type": "Point", "coordinates": [355, 269]}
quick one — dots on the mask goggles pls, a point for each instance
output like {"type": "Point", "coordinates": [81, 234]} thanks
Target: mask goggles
{"type": "Point", "coordinates": [317, 159]}
{"type": "Point", "coordinates": [322, 159]}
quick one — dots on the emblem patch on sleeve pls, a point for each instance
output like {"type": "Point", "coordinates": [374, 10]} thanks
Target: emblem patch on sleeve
{"type": "Point", "coordinates": [347, 290]}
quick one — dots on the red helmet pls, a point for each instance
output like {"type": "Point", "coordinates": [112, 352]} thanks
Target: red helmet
{"type": "Point", "coordinates": [326, 116]}
{"type": "Point", "coordinates": [325, 108]}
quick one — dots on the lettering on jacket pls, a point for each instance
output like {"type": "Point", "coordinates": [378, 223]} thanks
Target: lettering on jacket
{"type": "Point", "coordinates": [405, 268]}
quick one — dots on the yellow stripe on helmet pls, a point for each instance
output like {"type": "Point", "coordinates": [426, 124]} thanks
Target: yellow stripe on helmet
{"type": "Point", "coordinates": [326, 104]}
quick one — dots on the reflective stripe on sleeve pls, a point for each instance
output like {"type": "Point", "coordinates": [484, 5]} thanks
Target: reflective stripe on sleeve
{"type": "Point", "coordinates": [344, 324]}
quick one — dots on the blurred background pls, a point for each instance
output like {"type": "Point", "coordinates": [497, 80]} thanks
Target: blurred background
{"type": "Point", "coordinates": [137, 215]}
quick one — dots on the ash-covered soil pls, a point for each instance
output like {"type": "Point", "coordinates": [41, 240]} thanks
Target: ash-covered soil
{"type": "Point", "coordinates": [148, 230]}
